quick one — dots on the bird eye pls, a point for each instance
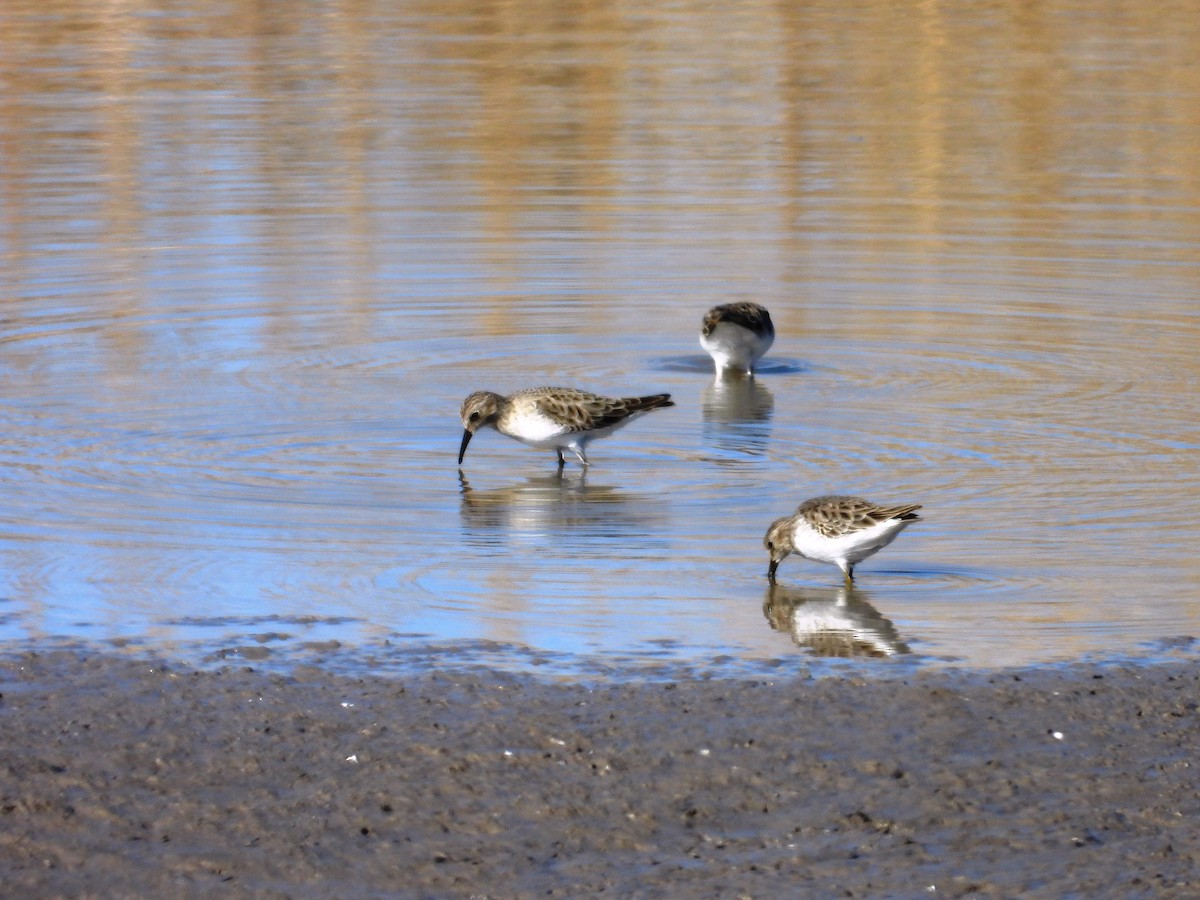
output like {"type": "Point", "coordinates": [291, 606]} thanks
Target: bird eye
{"type": "Point", "coordinates": [475, 417]}
{"type": "Point", "coordinates": [770, 545]}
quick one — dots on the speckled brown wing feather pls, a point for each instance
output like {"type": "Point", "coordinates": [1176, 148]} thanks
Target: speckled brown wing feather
{"type": "Point", "coordinates": [835, 515]}
{"type": "Point", "coordinates": [749, 315]}
{"type": "Point", "coordinates": [583, 411]}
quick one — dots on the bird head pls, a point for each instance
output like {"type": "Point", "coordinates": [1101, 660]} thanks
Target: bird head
{"type": "Point", "coordinates": [479, 409]}
{"type": "Point", "coordinates": [778, 542]}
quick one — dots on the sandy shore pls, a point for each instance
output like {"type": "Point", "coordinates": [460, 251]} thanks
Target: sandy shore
{"type": "Point", "coordinates": [126, 778]}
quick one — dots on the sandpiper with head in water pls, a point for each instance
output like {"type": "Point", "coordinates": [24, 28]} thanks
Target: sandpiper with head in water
{"type": "Point", "coordinates": [736, 335]}
{"type": "Point", "coordinates": [553, 417]}
{"type": "Point", "coordinates": [836, 529]}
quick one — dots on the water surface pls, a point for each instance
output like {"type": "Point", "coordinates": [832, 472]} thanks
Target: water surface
{"type": "Point", "coordinates": [251, 264]}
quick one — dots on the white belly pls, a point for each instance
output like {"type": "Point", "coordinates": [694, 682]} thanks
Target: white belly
{"type": "Point", "coordinates": [538, 430]}
{"type": "Point", "coordinates": [849, 548]}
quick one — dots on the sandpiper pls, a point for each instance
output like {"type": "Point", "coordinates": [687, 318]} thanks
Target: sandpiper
{"type": "Point", "coordinates": [736, 335]}
{"type": "Point", "coordinates": [562, 418]}
{"type": "Point", "coordinates": [839, 530]}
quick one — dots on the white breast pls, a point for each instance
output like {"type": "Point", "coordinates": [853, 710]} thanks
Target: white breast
{"type": "Point", "coordinates": [732, 346]}
{"type": "Point", "coordinates": [535, 429]}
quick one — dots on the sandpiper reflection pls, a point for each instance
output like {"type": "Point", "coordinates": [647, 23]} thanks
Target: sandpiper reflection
{"type": "Point", "coordinates": [737, 413]}
{"type": "Point", "coordinates": [837, 622]}
{"type": "Point", "coordinates": [553, 506]}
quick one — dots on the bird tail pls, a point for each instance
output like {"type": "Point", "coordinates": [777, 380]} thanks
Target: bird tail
{"type": "Point", "coordinates": [653, 401]}
{"type": "Point", "coordinates": [905, 513]}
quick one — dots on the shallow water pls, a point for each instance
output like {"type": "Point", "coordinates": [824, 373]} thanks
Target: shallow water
{"type": "Point", "coordinates": [251, 266]}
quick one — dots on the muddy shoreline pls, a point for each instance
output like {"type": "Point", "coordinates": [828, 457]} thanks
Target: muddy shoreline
{"type": "Point", "coordinates": [133, 777]}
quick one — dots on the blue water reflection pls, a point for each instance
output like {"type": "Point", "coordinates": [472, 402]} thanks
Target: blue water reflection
{"type": "Point", "coordinates": [251, 266]}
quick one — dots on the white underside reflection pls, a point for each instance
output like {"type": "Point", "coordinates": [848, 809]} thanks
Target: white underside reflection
{"type": "Point", "coordinates": [835, 622]}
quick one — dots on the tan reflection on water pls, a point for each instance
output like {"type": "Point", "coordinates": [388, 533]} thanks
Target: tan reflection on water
{"type": "Point", "coordinates": [910, 125]}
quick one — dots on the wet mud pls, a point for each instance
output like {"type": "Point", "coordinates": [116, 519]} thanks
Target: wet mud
{"type": "Point", "coordinates": [134, 778]}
